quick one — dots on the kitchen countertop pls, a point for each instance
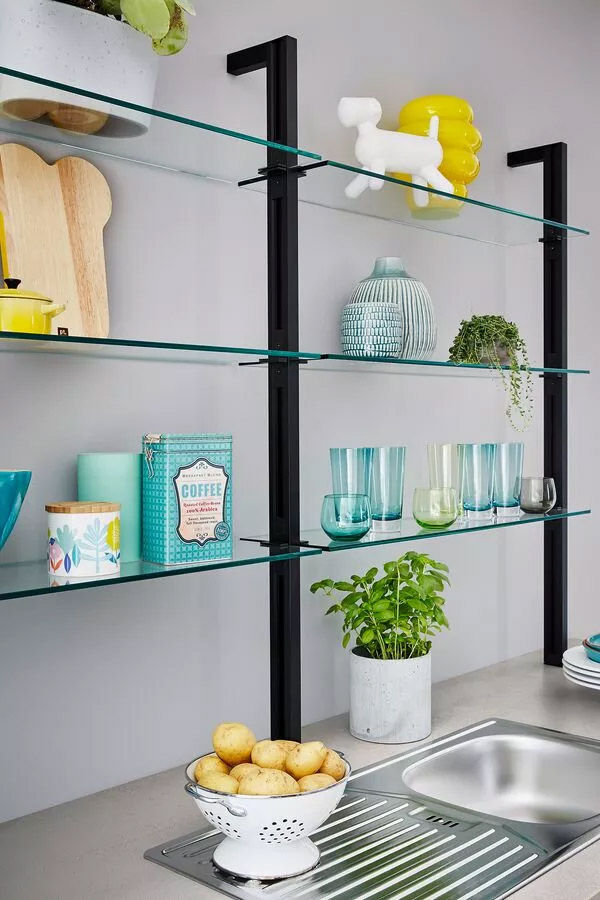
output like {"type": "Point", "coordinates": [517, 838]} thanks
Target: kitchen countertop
{"type": "Point", "coordinates": [92, 849]}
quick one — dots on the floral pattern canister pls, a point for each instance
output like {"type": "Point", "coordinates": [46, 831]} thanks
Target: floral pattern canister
{"type": "Point", "coordinates": [84, 539]}
{"type": "Point", "coordinates": [389, 284]}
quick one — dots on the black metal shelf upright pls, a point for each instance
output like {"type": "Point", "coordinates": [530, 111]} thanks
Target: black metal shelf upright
{"type": "Point", "coordinates": [279, 58]}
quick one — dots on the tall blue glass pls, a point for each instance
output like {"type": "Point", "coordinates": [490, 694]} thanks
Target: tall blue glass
{"type": "Point", "coordinates": [386, 487]}
{"type": "Point", "coordinates": [478, 479]}
{"type": "Point", "coordinates": [351, 469]}
{"type": "Point", "coordinates": [508, 471]}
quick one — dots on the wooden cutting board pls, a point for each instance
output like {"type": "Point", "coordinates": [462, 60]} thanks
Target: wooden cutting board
{"type": "Point", "coordinates": [53, 217]}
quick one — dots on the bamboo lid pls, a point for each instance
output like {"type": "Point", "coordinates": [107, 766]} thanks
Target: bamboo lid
{"type": "Point", "coordinates": [81, 506]}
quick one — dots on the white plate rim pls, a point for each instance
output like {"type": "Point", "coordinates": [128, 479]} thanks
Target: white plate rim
{"type": "Point", "coordinates": [586, 684]}
{"type": "Point", "coordinates": [579, 671]}
{"type": "Point", "coordinates": [578, 658]}
{"type": "Point", "coordinates": [581, 676]}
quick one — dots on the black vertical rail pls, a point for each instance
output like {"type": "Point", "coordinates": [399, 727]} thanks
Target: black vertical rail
{"type": "Point", "coordinates": [279, 58]}
{"type": "Point", "coordinates": [554, 159]}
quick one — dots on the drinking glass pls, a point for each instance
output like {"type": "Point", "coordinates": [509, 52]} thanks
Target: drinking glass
{"type": "Point", "coordinates": [478, 479]}
{"type": "Point", "coordinates": [386, 487]}
{"type": "Point", "coordinates": [351, 469]}
{"type": "Point", "coordinates": [346, 517]}
{"type": "Point", "coordinates": [508, 470]}
{"type": "Point", "coordinates": [435, 507]}
{"type": "Point", "coordinates": [538, 495]}
{"type": "Point", "coordinates": [445, 468]}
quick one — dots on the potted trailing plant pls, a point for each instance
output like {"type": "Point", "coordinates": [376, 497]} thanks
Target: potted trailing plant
{"type": "Point", "coordinates": [109, 47]}
{"type": "Point", "coordinates": [494, 341]}
{"type": "Point", "coordinates": [393, 618]}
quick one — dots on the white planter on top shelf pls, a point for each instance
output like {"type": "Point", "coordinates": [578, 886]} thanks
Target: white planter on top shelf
{"type": "Point", "coordinates": [82, 49]}
{"type": "Point", "coordinates": [390, 699]}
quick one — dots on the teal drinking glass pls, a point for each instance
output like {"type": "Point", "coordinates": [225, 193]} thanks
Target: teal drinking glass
{"type": "Point", "coordinates": [386, 487]}
{"type": "Point", "coordinates": [478, 479]}
{"type": "Point", "coordinates": [346, 517]}
{"type": "Point", "coordinates": [508, 471]}
{"type": "Point", "coordinates": [351, 469]}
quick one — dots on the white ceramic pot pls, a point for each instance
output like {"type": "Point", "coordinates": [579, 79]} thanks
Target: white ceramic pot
{"type": "Point", "coordinates": [82, 49]}
{"type": "Point", "coordinates": [390, 700]}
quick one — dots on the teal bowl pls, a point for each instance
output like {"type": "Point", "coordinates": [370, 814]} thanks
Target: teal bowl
{"type": "Point", "coordinates": [592, 648]}
{"type": "Point", "coordinates": [13, 487]}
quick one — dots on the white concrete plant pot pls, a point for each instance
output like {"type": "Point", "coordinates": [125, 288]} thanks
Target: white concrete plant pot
{"type": "Point", "coordinates": [82, 49]}
{"type": "Point", "coordinates": [390, 699]}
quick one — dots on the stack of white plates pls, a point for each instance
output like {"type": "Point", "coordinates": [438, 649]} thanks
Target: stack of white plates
{"type": "Point", "coordinates": [578, 669]}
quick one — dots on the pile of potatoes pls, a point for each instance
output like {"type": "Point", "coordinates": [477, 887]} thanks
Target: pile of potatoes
{"type": "Point", "coordinates": [243, 765]}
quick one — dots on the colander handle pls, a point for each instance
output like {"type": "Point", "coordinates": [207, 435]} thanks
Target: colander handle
{"type": "Point", "coordinates": [198, 794]}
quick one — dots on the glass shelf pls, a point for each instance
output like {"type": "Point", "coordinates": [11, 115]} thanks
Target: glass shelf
{"type": "Point", "coordinates": [411, 531]}
{"type": "Point", "coordinates": [172, 142]}
{"type": "Point", "coordinates": [153, 351]}
{"type": "Point", "coordinates": [470, 218]}
{"type": "Point", "coordinates": [208, 354]}
{"type": "Point", "coordinates": [28, 579]}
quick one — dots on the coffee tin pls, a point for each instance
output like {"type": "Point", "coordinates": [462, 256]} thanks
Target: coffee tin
{"type": "Point", "coordinates": [187, 498]}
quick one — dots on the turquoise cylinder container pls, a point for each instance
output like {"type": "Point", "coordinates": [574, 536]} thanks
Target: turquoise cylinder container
{"type": "Point", "coordinates": [115, 477]}
{"type": "Point", "coordinates": [414, 336]}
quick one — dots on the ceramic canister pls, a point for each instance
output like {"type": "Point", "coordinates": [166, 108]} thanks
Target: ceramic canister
{"type": "Point", "coordinates": [83, 539]}
{"type": "Point", "coordinates": [390, 283]}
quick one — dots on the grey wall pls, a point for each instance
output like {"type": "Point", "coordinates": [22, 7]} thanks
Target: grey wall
{"type": "Point", "coordinates": [103, 686]}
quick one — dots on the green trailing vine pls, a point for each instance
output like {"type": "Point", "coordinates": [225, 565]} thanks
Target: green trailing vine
{"type": "Point", "coordinates": [479, 340]}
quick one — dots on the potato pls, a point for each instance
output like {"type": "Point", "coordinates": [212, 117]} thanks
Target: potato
{"type": "Point", "coordinates": [217, 781]}
{"type": "Point", "coordinates": [210, 764]}
{"type": "Point", "coordinates": [233, 742]}
{"type": "Point", "coordinates": [239, 772]}
{"type": "Point", "coordinates": [286, 745]}
{"type": "Point", "coordinates": [306, 759]}
{"type": "Point", "coordinates": [333, 765]}
{"type": "Point", "coordinates": [268, 783]}
{"type": "Point", "coordinates": [269, 755]}
{"type": "Point", "coordinates": [315, 782]}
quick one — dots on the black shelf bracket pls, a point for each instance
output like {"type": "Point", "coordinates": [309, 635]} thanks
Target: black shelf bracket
{"type": "Point", "coordinates": [279, 58]}
{"type": "Point", "coordinates": [554, 160]}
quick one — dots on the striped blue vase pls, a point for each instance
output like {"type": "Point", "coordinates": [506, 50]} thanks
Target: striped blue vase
{"type": "Point", "coordinates": [389, 283]}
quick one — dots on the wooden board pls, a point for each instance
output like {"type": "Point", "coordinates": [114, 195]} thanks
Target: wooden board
{"type": "Point", "coordinates": [53, 217]}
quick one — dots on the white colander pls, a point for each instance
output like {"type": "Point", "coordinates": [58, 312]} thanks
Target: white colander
{"type": "Point", "coordinates": [265, 837]}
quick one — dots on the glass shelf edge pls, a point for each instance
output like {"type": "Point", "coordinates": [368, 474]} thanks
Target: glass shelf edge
{"type": "Point", "coordinates": [482, 204]}
{"type": "Point", "coordinates": [150, 571]}
{"type": "Point", "coordinates": [378, 539]}
{"type": "Point", "coordinates": [157, 113]}
{"type": "Point", "coordinates": [439, 363]}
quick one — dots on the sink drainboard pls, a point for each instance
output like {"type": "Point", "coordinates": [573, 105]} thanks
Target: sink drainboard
{"type": "Point", "coordinates": [380, 847]}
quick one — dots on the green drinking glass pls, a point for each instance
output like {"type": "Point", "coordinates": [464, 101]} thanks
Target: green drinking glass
{"type": "Point", "coordinates": [435, 507]}
{"type": "Point", "coordinates": [346, 517]}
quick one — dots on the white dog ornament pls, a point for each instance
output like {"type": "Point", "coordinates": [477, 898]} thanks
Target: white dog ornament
{"type": "Point", "coordinates": [383, 151]}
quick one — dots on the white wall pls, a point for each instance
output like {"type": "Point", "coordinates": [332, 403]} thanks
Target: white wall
{"type": "Point", "coordinates": [103, 686]}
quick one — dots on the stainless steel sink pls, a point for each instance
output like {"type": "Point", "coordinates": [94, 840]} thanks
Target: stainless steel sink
{"type": "Point", "coordinates": [521, 777]}
{"type": "Point", "coordinates": [476, 814]}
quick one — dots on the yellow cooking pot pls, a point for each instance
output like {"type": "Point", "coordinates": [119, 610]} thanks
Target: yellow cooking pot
{"type": "Point", "coordinates": [25, 310]}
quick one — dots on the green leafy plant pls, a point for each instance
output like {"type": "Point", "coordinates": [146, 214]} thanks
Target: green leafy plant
{"type": "Point", "coordinates": [493, 340]}
{"type": "Point", "coordinates": [393, 616]}
{"type": "Point", "coordinates": [163, 21]}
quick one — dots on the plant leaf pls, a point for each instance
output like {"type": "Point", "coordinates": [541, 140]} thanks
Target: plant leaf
{"type": "Point", "coordinates": [148, 16]}
{"type": "Point", "coordinates": [176, 37]}
{"type": "Point", "coordinates": [344, 586]}
{"type": "Point", "coordinates": [187, 5]}
{"type": "Point", "coordinates": [346, 640]}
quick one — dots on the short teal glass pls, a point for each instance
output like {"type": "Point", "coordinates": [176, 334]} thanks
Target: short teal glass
{"type": "Point", "coordinates": [351, 469]}
{"type": "Point", "coordinates": [346, 517]}
{"type": "Point", "coordinates": [508, 471]}
{"type": "Point", "coordinates": [386, 487]}
{"type": "Point", "coordinates": [478, 479]}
